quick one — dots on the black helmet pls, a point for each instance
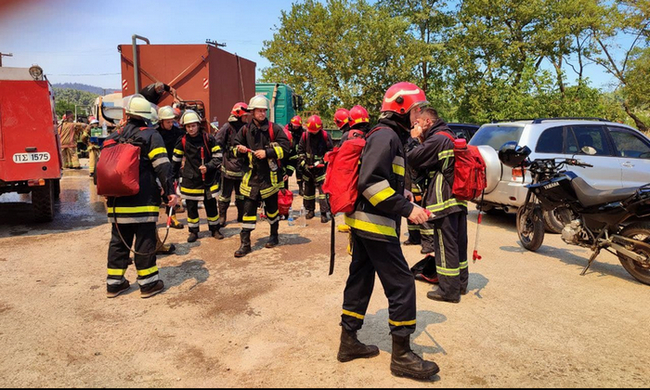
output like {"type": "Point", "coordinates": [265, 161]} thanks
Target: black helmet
{"type": "Point", "coordinates": [512, 154]}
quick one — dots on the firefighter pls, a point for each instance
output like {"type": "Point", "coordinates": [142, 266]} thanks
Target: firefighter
{"type": "Point", "coordinates": [291, 161]}
{"type": "Point", "coordinates": [92, 147]}
{"type": "Point", "coordinates": [170, 134]}
{"type": "Point", "coordinates": [136, 216]}
{"type": "Point", "coordinates": [375, 225]}
{"type": "Point", "coordinates": [342, 122]}
{"type": "Point", "coordinates": [425, 269]}
{"type": "Point", "coordinates": [312, 148]}
{"type": "Point", "coordinates": [264, 146]}
{"type": "Point", "coordinates": [233, 167]}
{"type": "Point", "coordinates": [155, 92]}
{"type": "Point", "coordinates": [69, 132]}
{"type": "Point", "coordinates": [433, 152]}
{"type": "Point", "coordinates": [200, 174]}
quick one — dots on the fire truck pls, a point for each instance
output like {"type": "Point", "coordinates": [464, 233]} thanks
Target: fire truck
{"type": "Point", "coordinates": [30, 151]}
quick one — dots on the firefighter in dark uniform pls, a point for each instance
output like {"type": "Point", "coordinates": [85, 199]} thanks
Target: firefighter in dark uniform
{"type": "Point", "coordinates": [342, 122]}
{"type": "Point", "coordinates": [263, 179]}
{"type": "Point", "coordinates": [200, 173]}
{"type": "Point", "coordinates": [313, 145]}
{"type": "Point", "coordinates": [434, 154]}
{"type": "Point", "coordinates": [136, 216]}
{"type": "Point", "coordinates": [234, 165]}
{"type": "Point", "coordinates": [170, 134]}
{"type": "Point", "coordinates": [292, 160]}
{"type": "Point", "coordinates": [375, 225]}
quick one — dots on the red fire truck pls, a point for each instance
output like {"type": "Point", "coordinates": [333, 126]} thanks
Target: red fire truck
{"type": "Point", "coordinates": [30, 154]}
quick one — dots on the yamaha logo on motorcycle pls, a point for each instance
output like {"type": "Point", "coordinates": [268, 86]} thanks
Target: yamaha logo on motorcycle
{"type": "Point", "coordinates": [617, 221]}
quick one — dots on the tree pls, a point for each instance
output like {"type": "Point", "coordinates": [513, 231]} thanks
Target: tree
{"type": "Point", "coordinates": [340, 53]}
{"type": "Point", "coordinates": [67, 98]}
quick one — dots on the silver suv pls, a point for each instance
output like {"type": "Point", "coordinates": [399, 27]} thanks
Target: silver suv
{"type": "Point", "coordinates": [621, 159]}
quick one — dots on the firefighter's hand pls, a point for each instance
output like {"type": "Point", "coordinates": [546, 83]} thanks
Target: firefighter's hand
{"type": "Point", "coordinates": [242, 149]}
{"type": "Point", "coordinates": [416, 131]}
{"type": "Point", "coordinates": [172, 200]}
{"type": "Point", "coordinates": [408, 195]}
{"type": "Point", "coordinates": [203, 169]}
{"type": "Point", "coordinates": [418, 215]}
{"type": "Point", "coordinates": [261, 154]}
{"type": "Point", "coordinates": [285, 177]}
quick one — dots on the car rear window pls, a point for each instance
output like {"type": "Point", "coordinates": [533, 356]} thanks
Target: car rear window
{"type": "Point", "coordinates": [496, 136]}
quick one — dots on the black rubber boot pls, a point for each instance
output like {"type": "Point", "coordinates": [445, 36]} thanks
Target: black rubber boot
{"type": "Point", "coordinates": [245, 247]}
{"type": "Point", "coordinates": [310, 214]}
{"type": "Point", "coordinates": [404, 362]}
{"type": "Point", "coordinates": [192, 237]}
{"type": "Point", "coordinates": [351, 348]}
{"type": "Point", "coordinates": [216, 233]}
{"type": "Point", "coordinates": [222, 208]}
{"type": "Point", "coordinates": [273, 238]}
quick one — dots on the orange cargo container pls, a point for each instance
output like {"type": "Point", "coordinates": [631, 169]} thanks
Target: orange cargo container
{"type": "Point", "coordinates": [198, 72]}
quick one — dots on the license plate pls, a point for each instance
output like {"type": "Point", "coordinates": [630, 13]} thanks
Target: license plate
{"type": "Point", "coordinates": [20, 158]}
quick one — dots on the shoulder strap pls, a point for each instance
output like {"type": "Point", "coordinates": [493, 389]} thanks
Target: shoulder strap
{"type": "Point", "coordinates": [271, 133]}
{"type": "Point", "coordinates": [183, 141]}
{"type": "Point", "coordinates": [304, 136]}
{"type": "Point", "coordinates": [205, 141]}
{"type": "Point", "coordinates": [446, 134]}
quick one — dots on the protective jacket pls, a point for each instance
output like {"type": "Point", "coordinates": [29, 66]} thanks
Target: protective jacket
{"type": "Point", "coordinates": [194, 186]}
{"type": "Point", "coordinates": [291, 159]}
{"type": "Point", "coordinates": [154, 164]}
{"type": "Point", "coordinates": [311, 151]}
{"type": "Point", "coordinates": [434, 159]}
{"type": "Point", "coordinates": [170, 137]}
{"type": "Point", "coordinates": [234, 166]}
{"type": "Point", "coordinates": [381, 203]}
{"type": "Point", "coordinates": [69, 132]}
{"type": "Point", "coordinates": [262, 175]}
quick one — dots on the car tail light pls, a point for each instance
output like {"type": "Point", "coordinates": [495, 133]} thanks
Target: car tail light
{"type": "Point", "coordinates": [36, 183]}
{"type": "Point", "coordinates": [518, 173]}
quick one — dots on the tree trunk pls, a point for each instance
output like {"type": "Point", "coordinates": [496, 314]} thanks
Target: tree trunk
{"type": "Point", "coordinates": [639, 123]}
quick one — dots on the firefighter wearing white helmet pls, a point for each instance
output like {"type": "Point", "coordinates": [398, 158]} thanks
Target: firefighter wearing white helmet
{"type": "Point", "coordinates": [201, 174]}
{"type": "Point", "coordinates": [265, 144]}
{"type": "Point", "coordinates": [170, 133]}
{"type": "Point", "coordinates": [136, 216]}
{"type": "Point", "coordinates": [91, 147]}
{"type": "Point", "coordinates": [233, 167]}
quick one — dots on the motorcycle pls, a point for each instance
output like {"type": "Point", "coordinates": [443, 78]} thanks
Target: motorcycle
{"type": "Point", "coordinates": [612, 220]}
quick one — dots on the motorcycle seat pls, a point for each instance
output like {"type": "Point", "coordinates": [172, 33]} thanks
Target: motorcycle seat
{"type": "Point", "coordinates": [590, 196]}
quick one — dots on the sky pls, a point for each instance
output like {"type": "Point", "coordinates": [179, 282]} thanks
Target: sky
{"type": "Point", "coordinates": [76, 41]}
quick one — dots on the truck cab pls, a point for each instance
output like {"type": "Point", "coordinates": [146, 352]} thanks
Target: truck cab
{"type": "Point", "coordinates": [284, 102]}
{"type": "Point", "coordinates": [30, 152]}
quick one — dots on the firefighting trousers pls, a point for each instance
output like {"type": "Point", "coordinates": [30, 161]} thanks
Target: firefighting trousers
{"type": "Point", "coordinates": [227, 186]}
{"type": "Point", "coordinates": [451, 253]}
{"type": "Point", "coordinates": [414, 232]}
{"type": "Point", "coordinates": [93, 157]}
{"type": "Point", "coordinates": [250, 212]}
{"type": "Point", "coordinates": [309, 197]}
{"type": "Point", "coordinates": [387, 260]}
{"type": "Point", "coordinates": [118, 253]}
{"type": "Point", "coordinates": [70, 159]}
{"type": "Point", "coordinates": [428, 237]}
{"type": "Point", "coordinates": [211, 212]}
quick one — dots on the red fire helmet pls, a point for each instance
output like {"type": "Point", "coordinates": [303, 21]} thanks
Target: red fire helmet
{"type": "Point", "coordinates": [402, 97]}
{"type": "Point", "coordinates": [239, 109]}
{"type": "Point", "coordinates": [314, 124]}
{"type": "Point", "coordinates": [341, 117]}
{"type": "Point", "coordinates": [296, 121]}
{"type": "Point", "coordinates": [358, 114]}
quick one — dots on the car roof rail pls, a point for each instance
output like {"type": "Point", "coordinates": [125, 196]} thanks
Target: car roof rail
{"type": "Point", "coordinates": [512, 120]}
{"type": "Point", "coordinates": [540, 120]}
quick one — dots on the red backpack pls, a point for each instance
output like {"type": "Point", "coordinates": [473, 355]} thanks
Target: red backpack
{"type": "Point", "coordinates": [342, 174]}
{"type": "Point", "coordinates": [118, 168]}
{"type": "Point", "coordinates": [469, 170]}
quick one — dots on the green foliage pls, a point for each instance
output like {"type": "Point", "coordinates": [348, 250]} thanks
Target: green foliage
{"type": "Point", "coordinates": [478, 60]}
{"type": "Point", "coordinates": [66, 99]}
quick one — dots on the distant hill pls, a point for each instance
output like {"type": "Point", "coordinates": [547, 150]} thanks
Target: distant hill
{"type": "Point", "coordinates": [87, 88]}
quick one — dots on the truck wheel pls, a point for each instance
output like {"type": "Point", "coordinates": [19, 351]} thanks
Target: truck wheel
{"type": "Point", "coordinates": [43, 202]}
{"type": "Point", "coordinates": [57, 188]}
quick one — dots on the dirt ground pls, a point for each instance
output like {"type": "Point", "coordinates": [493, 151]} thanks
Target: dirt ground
{"type": "Point", "coordinates": [271, 319]}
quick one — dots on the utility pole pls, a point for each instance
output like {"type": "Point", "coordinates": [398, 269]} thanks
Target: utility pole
{"type": "Point", "coordinates": [215, 43]}
{"type": "Point", "coordinates": [4, 55]}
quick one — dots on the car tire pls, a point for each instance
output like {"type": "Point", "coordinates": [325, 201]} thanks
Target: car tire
{"type": "Point", "coordinates": [43, 202]}
{"type": "Point", "coordinates": [552, 222]}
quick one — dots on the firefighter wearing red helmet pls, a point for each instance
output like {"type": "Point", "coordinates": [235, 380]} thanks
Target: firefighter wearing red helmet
{"type": "Point", "coordinates": [294, 131]}
{"type": "Point", "coordinates": [234, 164]}
{"type": "Point", "coordinates": [312, 148]}
{"type": "Point", "coordinates": [342, 121]}
{"type": "Point", "coordinates": [375, 232]}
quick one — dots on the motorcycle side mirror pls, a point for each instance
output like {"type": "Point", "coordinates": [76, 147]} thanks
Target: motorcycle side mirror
{"type": "Point", "coordinates": [589, 150]}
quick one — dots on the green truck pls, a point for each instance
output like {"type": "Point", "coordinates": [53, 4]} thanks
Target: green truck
{"type": "Point", "coordinates": [284, 102]}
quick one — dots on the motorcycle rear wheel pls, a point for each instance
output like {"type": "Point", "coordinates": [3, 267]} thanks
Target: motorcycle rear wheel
{"type": "Point", "coordinates": [530, 227]}
{"type": "Point", "coordinates": [638, 231]}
